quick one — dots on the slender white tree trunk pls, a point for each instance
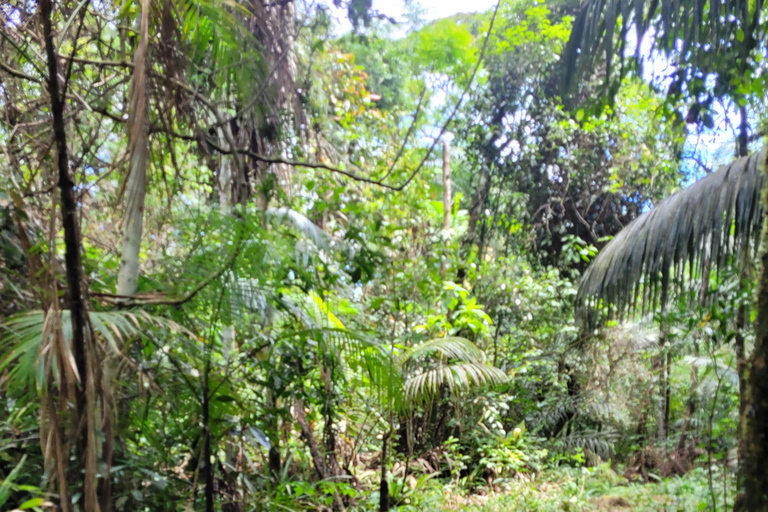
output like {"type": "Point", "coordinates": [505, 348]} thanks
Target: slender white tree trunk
{"type": "Point", "coordinates": [447, 200]}
{"type": "Point", "coordinates": [225, 177]}
{"type": "Point", "coordinates": [136, 185]}
{"type": "Point", "coordinates": [225, 206]}
{"type": "Point", "coordinates": [227, 200]}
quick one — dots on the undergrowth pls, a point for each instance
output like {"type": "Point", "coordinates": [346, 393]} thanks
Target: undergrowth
{"type": "Point", "coordinates": [585, 489]}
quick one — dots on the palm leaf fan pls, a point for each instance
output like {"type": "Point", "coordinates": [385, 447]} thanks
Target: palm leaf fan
{"type": "Point", "coordinates": [456, 377]}
{"type": "Point", "coordinates": [451, 347]}
{"type": "Point", "coordinates": [460, 366]}
{"type": "Point", "coordinates": [302, 224]}
{"type": "Point", "coordinates": [698, 228]}
{"type": "Point", "coordinates": [28, 344]}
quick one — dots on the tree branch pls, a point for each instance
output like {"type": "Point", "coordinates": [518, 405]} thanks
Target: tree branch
{"type": "Point", "coordinates": [161, 300]}
{"type": "Point", "coordinates": [18, 74]}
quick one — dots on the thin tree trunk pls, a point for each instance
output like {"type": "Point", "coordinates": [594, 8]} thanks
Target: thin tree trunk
{"type": "Point", "coordinates": [755, 438]}
{"type": "Point", "coordinates": [662, 367]}
{"type": "Point", "coordinates": [741, 370]}
{"type": "Point", "coordinates": [314, 450]}
{"type": "Point", "coordinates": [690, 410]}
{"type": "Point", "coordinates": [447, 200]}
{"type": "Point", "coordinates": [275, 464]}
{"type": "Point", "coordinates": [207, 447]}
{"type": "Point", "coordinates": [136, 185]}
{"type": "Point", "coordinates": [741, 367]}
{"type": "Point", "coordinates": [743, 149]}
{"type": "Point", "coordinates": [477, 209]}
{"type": "Point", "coordinates": [667, 393]}
{"type": "Point", "coordinates": [741, 319]}
{"type": "Point", "coordinates": [74, 268]}
{"type": "Point", "coordinates": [328, 413]}
{"type": "Point", "coordinates": [383, 483]}
{"type": "Point", "coordinates": [225, 179]}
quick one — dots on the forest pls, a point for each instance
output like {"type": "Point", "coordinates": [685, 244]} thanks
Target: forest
{"type": "Point", "coordinates": [348, 255]}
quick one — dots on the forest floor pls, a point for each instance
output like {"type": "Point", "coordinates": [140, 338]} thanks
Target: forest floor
{"type": "Point", "coordinates": [600, 489]}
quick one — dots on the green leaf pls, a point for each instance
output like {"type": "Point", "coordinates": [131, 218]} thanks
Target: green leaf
{"type": "Point", "coordinates": [377, 302]}
{"type": "Point", "coordinates": [34, 502]}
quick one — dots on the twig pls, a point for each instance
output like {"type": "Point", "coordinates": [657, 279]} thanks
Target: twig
{"type": "Point", "coordinates": [407, 134]}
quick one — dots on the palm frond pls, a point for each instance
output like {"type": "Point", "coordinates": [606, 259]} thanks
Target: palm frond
{"type": "Point", "coordinates": [706, 30]}
{"type": "Point", "coordinates": [301, 224]}
{"type": "Point", "coordinates": [714, 369]}
{"type": "Point", "coordinates": [249, 296]}
{"type": "Point", "coordinates": [456, 378]}
{"type": "Point", "coordinates": [701, 226]}
{"type": "Point", "coordinates": [641, 335]}
{"type": "Point", "coordinates": [343, 346]}
{"type": "Point", "coordinates": [451, 347]}
{"type": "Point", "coordinates": [25, 347]}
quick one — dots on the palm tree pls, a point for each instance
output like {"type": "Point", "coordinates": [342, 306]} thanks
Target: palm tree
{"type": "Point", "coordinates": [717, 221]}
{"type": "Point", "coordinates": [421, 372]}
{"type": "Point", "coordinates": [451, 362]}
{"type": "Point", "coordinates": [702, 37]}
{"type": "Point", "coordinates": [36, 351]}
{"type": "Point", "coordinates": [699, 32]}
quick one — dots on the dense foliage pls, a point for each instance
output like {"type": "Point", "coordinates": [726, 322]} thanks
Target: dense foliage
{"type": "Point", "coordinates": [249, 261]}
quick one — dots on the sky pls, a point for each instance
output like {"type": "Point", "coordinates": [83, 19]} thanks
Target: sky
{"type": "Point", "coordinates": [432, 9]}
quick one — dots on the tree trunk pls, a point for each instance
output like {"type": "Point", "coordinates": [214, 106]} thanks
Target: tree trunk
{"type": "Point", "coordinates": [136, 184]}
{"type": "Point", "coordinates": [383, 483]}
{"type": "Point", "coordinates": [743, 147]}
{"type": "Point", "coordinates": [447, 200]}
{"type": "Point", "coordinates": [755, 438]}
{"type": "Point", "coordinates": [742, 315]}
{"type": "Point", "coordinates": [477, 209]}
{"type": "Point", "coordinates": [662, 366]}
{"type": "Point", "coordinates": [208, 464]}
{"type": "Point", "coordinates": [314, 450]}
{"type": "Point", "coordinates": [225, 179]}
{"type": "Point", "coordinates": [86, 442]}
{"type": "Point", "coordinates": [690, 410]}
{"type": "Point", "coordinates": [667, 393]}
{"type": "Point", "coordinates": [328, 416]}
{"type": "Point", "coordinates": [273, 433]}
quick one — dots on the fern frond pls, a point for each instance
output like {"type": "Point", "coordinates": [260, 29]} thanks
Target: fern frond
{"type": "Point", "coordinates": [601, 443]}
